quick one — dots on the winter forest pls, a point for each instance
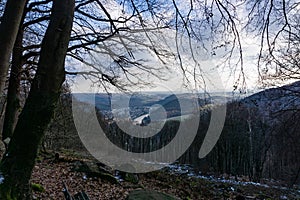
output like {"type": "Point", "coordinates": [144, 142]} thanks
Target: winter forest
{"type": "Point", "coordinates": [149, 99]}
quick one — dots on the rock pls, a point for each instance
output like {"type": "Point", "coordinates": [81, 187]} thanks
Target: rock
{"type": "Point", "coordinates": [129, 177]}
{"type": "Point", "coordinates": [149, 195]}
{"type": "Point", "coordinates": [145, 121]}
{"type": "Point", "coordinates": [125, 175]}
{"type": "Point", "coordinates": [93, 170]}
{"type": "Point", "coordinates": [132, 178]}
{"type": "Point", "coordinates": [6, 141]}
{"type": "Point", "coordinates": [2, 148]}
{"type": "Point", "coordinates": [107, 177]}
{"type": "Point", "coordinates": [104, 168]}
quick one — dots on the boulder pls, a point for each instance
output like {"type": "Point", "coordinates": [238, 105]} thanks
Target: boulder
{"type": "Point", "coordinates": [129, 177]}
{"type": "Point", "coordinates": [93, 170]}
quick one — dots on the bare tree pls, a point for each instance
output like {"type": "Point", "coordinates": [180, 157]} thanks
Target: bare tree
{"type": "Point", "coordinates": [139, 26]}
{"type": "Point", "coordinates": [17, 164]}
{"type": "Point", "coordinates": [276, 24]}
{"type": "Point", "coordinates": [13, 91]}
{"type": "Point", "coordinates": [9, 26]}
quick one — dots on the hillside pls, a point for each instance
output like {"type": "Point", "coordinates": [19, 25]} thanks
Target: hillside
{"type": "Point", "coordinates": [275, 100]}
{"type": "Point", "coordinates": [259, 144]}
{"type": "Point", "coordinates": [265, 126]}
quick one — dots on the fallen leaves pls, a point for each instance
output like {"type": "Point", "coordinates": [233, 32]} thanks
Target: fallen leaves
{"type": "Point", "coordinates": [51, 175]}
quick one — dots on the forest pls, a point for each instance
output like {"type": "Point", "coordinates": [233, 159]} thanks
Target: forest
{"type": "Point", "coordinates": [151, 99]}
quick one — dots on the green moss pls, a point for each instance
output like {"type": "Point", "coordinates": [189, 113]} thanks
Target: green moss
{"type": "Point", "coordinates": [5, 193]}
{"type": "Point", "coordinates": [37, 187]}
{"type": "Point", "coordinates": [39, 159]}
{"type": "Point", "coordinates": [193, 184]}
{"type": "Point", "coordinates": [177, 181]}
{"type": "Point", "coordinates": [132, 178]}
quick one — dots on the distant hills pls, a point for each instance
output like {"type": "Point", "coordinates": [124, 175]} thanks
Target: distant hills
{"type": "Point", "coordinates": [275, 101]}
{"type": "Point", "coordinates": [140, 104]}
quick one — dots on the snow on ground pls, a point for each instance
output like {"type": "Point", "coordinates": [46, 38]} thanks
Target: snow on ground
{"type": "Point", "coordinates": [189, 171]}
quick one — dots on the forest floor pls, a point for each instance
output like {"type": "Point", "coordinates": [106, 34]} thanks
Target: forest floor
{"type": "Point", "coordinates": [51, 173]}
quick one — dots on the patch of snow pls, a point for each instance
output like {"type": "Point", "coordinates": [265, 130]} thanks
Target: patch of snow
{"type": "Point", "coordinates": [189, 171]}
{"type": "Point", "coordinates": [283, 197]}
{"type": "Point", "coordinates": [118, 176]}
{"type": "Point", "coordinates": [1, 178]}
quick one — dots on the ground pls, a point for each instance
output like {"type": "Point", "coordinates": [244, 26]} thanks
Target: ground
{"type": "Point", "coordinates": [52, 173]}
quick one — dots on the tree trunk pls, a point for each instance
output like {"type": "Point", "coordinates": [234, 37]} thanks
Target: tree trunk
{"type": "Point", "coordinates": [13, 92]}
{"type": "Point", "coordinates": [16, 166]}
{"type": "Point", "coordinates": [9, 26]}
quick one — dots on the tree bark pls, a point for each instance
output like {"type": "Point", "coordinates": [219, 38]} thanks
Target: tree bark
{"type": "Point", "coordinates": [16, 166]}
{"type": "Point", "coordinates": [9, 27]}
{"type": "Point", "coordinates": [13, 91]}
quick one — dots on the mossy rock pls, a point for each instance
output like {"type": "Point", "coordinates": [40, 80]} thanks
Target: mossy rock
{"type": "Point", "coordinates": [93, 170]}
{"type": "Point", "coordinates": [149, 195]}
{"type": "Point", "coordinates": [132, 178]}
{"type": "Point", "coordinates": [105, 176]}
{"type": "Point", "coordinates": [126, 176]}
{"type": "Point", "coordinates": [129, 177]}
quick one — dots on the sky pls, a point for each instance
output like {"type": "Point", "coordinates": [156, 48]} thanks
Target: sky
{"type": "Point", "coordinates": [168, 75]}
